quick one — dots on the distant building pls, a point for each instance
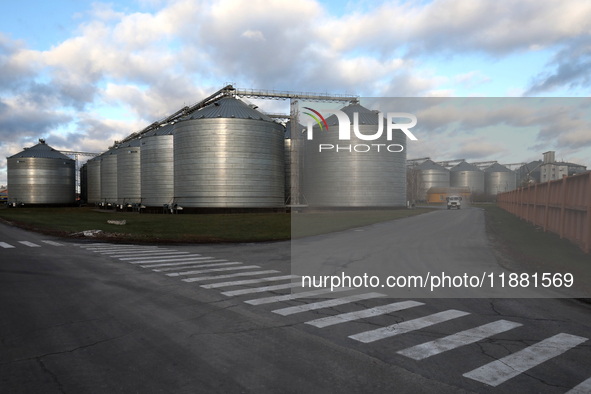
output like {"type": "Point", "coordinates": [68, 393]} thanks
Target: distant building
{"type": "Point", "coordinates": [551, 170]}
{"type": "Point", "coordinates": [529, 172]}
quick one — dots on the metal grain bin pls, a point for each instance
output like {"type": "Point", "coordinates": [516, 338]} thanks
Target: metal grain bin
{"type": "Point", "coordinates": [129, 183]}
{"type": "Point", "coordinates": [432, 175]}
{"type": "Point", "coordinates": [499, 179]}
{"type": "Point", "coordinates": [228, 155]}
{"type": "Point", "coordinates": [467, 175]}
{"type": "Point", "coordinates": [157, 164]}
{"type": "Point", "coordinates": [109, 176]}
{"type": "Point", "coordinates": [94, 179]}
{"type": "Point", "coordinates": [41, 175]}
{"type": "Point", "coordinates": [352, 178]}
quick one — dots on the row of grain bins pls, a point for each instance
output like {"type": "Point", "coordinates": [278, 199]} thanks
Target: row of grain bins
{"type": "Point", "coordinates": [229, 155]}
{"type": "Point", "coordinates": [226, 155]}
{"type": "Point", "coordinates": [492, 181]}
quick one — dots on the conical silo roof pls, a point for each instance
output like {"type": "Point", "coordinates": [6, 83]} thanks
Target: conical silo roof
{"type": "Point", "coordinates": [130, 144]}
{"type": "Point", "coordinates": [41, 150]}
{"type": "Point", "coordinates": [366, 116]}
{"type": "Point", "coordinates": [301, 128]}
{"type": "Point", "coordinates": [229, 107]}
{"type": "Point", "coordinates": [497, 168]}
{"type": "Point", "coordinates": [167, 129]}
{"type": "Point", "coordinates": [430, 165]}
{"type": "Point", "coordinates": [463, 166]}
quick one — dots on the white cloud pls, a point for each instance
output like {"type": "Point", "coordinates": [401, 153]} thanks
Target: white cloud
{"type": "Point", "coordinates": [254, 35]}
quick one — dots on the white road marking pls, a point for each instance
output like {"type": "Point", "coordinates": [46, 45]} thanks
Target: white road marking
{"type": "Point", "coordinates": [183, 258]}
{"type": "Point", "coordinates": [197, 272]}
{"type": "Point", "coordinates": [407, 326]}
{"type": "Point", "coordinates": [116, 248]}
{"type": "Point", "coordinates": [326, 304]}
{"type": "Point", "coordinates": [5, 245]}
{"type": "Point", "coordinates": [29, 244]}
{"type": "Point", "coordinates": [52, 243]}
{"type": "Point", "coordinates": [459, 339]}
{"type": "Point", "coordinates": [294, 296]}
{"type": "Point", "coordinates": [351, 316]}
{"type": "Point", "coordinates": [157, 255]}
{"type": "Point", "coordinates": [134, 250]}
{"type": "Point", "coordinates": [500, 371]}
{"type": "Point", "coordinates": [195, 261]}
{"type": "Point", "coordinates": [229, 276]}
{"type": "Point", "coordinates": [583, 388]}
{"type": "Point", "coordinates": [261, 289]}
{"type": "Point", "coordinates": [199, 266]}
{"type": "Point", "coordinates": [248, 281]}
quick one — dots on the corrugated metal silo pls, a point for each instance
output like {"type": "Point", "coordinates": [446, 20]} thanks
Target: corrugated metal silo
{"type": "Point", "coordinates": [129, 182]}
{"type": "Point", "coordinates": [228, 155]}
{"type": "Point", "coordinates": [41, 175]}
{"type": "Point", "coordinates": [432, 175]}
{"type": "Point", "coordinates": [499, 179]}
{"type": "Point", "coordinates": [157, 164]}
{"type": "Point", "coordinates": [355, 178]}
{"type": "Point", "coordinates": [467, 175]}
{"type": "Point", "coordinates": [109, 176]}
{"type": "Point", "coordinates": [94, 179]}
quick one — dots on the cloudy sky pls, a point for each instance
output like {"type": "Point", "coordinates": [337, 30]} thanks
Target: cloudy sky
{"type": "Point", "coordinates": [82, 74]}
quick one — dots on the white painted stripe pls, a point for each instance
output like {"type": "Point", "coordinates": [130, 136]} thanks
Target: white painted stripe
{"type": "Point", "coordinates": [326, 304]}
{"type": "Point", "coordinates": [52, 243]}
{"type": "Point", "coordinates": [146, 255]}
{"type": "Point", "coordinates": [249, 281]}
{"type": "Point", "coordinates": [229, 276]}
{"type": "Point", "coordinates": [199, 266]}
{"type": "Point", "coordinates": [174, 266]}
{"type": "Point", "coordinates": [244, 267]}
{"type": "Point", "coordinates": [583, 388]}
{"type": "Point", "coordinates": [29, 244]}
{"type": "Point", "coordinates": [114, 248]}
{"type": "Point", "coordinates": [158, 255]}
{"type": "Point", "coordinates": [294, 296]}
{"type": "Point", "coordinates": [500, 371]}
{"type": "Point", "coordinates": [364, 314]}
{"type": "Point", "coordinates": [407, 326]}
{"type": "Point", "coordinates": [183, 258]}
{"type": "Point", "coordinates": [261, 289]}
{"type": "Point", "coordinates": [459, 339]}
{"type": "Point", "coordinates": [5, 245]}
{"type": "Point", "coordinates": [135, 250]}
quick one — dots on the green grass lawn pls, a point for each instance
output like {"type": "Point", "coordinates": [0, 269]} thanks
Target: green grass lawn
{"type": "Point", "coordinates": [250, 227]}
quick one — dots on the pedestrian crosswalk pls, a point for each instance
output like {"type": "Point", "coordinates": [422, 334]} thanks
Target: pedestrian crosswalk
{"type": "Point", "coordinates": [232, 278]}
{"type": "Point", "coordinates": [6, 245]}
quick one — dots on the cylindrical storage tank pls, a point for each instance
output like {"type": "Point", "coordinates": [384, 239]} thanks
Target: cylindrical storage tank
{"type": "Point", "coordinates": [228, 155]}
{"type": "Point", "coordinates": [41, 175]}
{"type": "Point", "coordinates": [432, 175]}
{"type": "Point", "coordinates": [129, 182]}
{"type": "Point", "coordinates": [109, 176]}
{"type": "Point", "coordinates": [157, 164]}
{"type": "Point", "coordinates": [84, 183]}
{"type": "Point", "coordinates": [499, 179]}
{"type": "Point", "coordinates": [467, 175]}
{"type": "Point", "coordinates": [94, 179]}
{"type": "Point", "coordinates": [362, 173]}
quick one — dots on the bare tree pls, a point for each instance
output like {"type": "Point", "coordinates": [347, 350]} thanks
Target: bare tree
{"type": "Point", "coordinates": [414, 185]}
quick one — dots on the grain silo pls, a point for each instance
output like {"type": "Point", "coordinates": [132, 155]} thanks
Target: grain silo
{"type": "Point", "coordinates": [41, 175]}
{"type": "Point", "coordinates": [109, 176]}
{"type": "Point", "coordinates": [129, 181]}
{"type": "Point", "coordinates": [228, 155]}
{"type": "Point", "coordinates": [157, 165]}
{"type": "Point", "coordinates": [499, 179]}
{"type": "Point", "coordinates": [355, 172]}
{"type": "Point", "coordinates": [93, 176]}
{"type": "Point", "coordinates": [467, 175]}
{"type": "Point", "coordinates": [432, 175]}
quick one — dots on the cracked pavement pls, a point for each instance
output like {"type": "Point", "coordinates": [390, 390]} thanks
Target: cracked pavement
{"type": "Point", "coordinates": [79, 322]}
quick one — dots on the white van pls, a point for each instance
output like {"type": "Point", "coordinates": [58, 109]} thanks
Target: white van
{"type": "Point", "coordinates": [454, 202]}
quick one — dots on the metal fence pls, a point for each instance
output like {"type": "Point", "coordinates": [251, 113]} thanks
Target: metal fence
{"type": "Point", "coordinates": [562, 207]}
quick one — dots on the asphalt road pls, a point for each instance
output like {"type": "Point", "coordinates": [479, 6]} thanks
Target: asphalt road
{"type": "Point", "coordinates": [79, 317]}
